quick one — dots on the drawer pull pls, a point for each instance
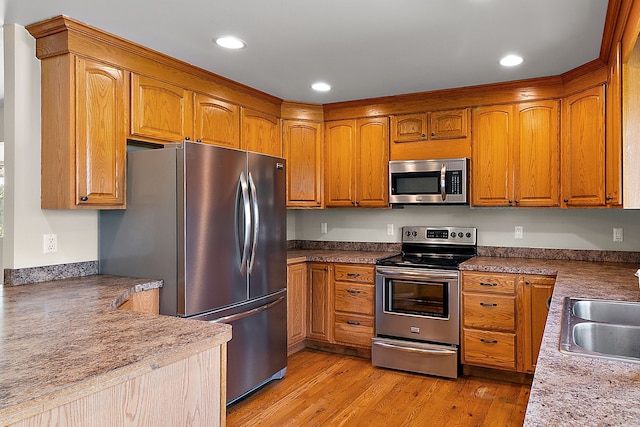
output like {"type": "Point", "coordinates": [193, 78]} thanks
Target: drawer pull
{"type": "Point", "coordinates": [488, 341]}
{"type": "Point", "coordinates": [488, 284]}
{"type": "Point", "coordinates": [352, 322]}
{"type": "Point", "coordinates": [353, 274]}
{"type": "Point", "coordinates": [353, 291]}
{"type": "Point", "coordinates": [487, 304]}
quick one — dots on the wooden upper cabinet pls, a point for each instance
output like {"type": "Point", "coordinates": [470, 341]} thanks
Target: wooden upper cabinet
{"type": "Point", "coordinates": [216, 122]}
{"type": "Point", "coordinates": [357, 162]}
{"type": "Point", "coordinates": [409, 127]}
{"type": "Point", "coordinates": [160, 110]}
{"type": "Point", "coordinates": [449, 124]}
{"type": "Point", "coordinates": [84, 132]}
{"type": "Point", "coordinates": [493, 140]}
{"type": "Point", "coordinates": [261, 133]}
{"type": "Point", "coordinates": [536, 154]}
{"type": "Point", "coordinates": [583, 148]}
{"type": "Point", "coordinates": [372, 162]}
{"type": "Point", "coordinates": [303, 151]}
{"type": "Point", "coordinates": [613, 149]}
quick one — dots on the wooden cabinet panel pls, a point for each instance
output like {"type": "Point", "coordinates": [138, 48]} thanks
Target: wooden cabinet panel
{"type": "Point", "coordinates": [488, 311]}
{"type": "Point", "coordinates": [409, 128]}
{"type": "Point", "coordinates": [353, 330]}
{"type": "Point", "coordinates": [303, 151]}
{"type": "Point", "coordinates": [583, 156]}
{"type": "Point", "coordinates": [488, 282]}
{"type": "Point", "coordinates": [216, 122]}
{"type": "Point", "coordinates": [536, 154]}
{"type": "Point", "coordinates": [354, 298]}
{"type": "Point", "coordinates": [613, 148]}
{"type": "Point", "coordinates": [143, 302]}
{"type": "Point", "coordinates": [296, 305]}
{"type": "Point", "coordinates": [489, 348]}
{"type": "Point", "coordinates": [320, 300]}
{"type": "Point", "coordinates": [534, 298]}
{"type": "Point", "coordinates": [340, 166]}
{"type": "Point", "coordinates": [160, 110]}
{"type": "Point", "coordinates": [451, 124]}
{"type": "Point", "coordinates": [493, 133]}
{"type": "Point", "coordinates": [354, 273]}
{"type": "Point", "coordinates": [372, 162]}
{"type": "Point", "coordinates": [261, 133]}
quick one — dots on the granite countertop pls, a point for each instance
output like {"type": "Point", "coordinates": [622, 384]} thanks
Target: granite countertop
{"type": "Point", "coordinates": [572, 390]}
{"type": "Point", "coordinates": [64, 339]}
{"type": "Point", "coordinates": [324, 255]}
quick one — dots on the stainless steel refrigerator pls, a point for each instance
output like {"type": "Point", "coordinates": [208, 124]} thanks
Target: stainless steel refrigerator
{"type": "Point", "coordinates": [211, 223]}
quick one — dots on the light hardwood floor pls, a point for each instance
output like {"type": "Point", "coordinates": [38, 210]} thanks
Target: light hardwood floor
{"type": "Point", "coordinates": [323, 389]}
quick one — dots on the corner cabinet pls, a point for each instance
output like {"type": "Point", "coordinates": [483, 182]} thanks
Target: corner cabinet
{"type": "Point", "coordinates": [357, 162]}
{"type": "Point", "coordinates": [303, 151]}
{"type": "Point", "coordinates": [83, 105]}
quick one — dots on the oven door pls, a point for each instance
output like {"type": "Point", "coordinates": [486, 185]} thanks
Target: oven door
{"type": "Point", "coordinates": [418, 304]}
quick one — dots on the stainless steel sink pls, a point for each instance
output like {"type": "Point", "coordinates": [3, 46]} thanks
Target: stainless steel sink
{"type": "Point", "coordinates": [601, 328]}
{"type": "Point", "coordinates": [620, 312]}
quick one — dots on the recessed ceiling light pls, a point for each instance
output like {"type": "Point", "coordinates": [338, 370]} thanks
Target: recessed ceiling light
{"type": "Point", "coordinates": [511, 60]}
{"type": "Point", "coordinates": [321, 87]}
{"type": "Point", "coordinates": [230, 42]}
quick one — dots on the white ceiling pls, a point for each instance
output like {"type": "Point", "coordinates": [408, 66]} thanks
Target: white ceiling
{"type": "Point", "coordinates": [364, 48]}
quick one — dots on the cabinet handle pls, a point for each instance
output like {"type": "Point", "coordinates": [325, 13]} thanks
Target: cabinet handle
{"type": "Point", "coordinates": [326, 269]}
{"type": "Point", "coordinates": [527, 282]}
{"type": "Point", "coordinates": [198, 140]}
{"type": "Point", "coordinates": [432, 134]}
{"type": "Point", "coordinates": [488, 341]}
{"type": "Point", "coordinates": [353, 202]}
{"type": "Point", "coordinates": [353, 274]}
{"type": "Point", "coordinates": [84, 198]}
{"type": "Point", "coordinates": [566, 200]}
{"type": "Point", "coordinates": [487, 304]}
{"type": "Point", "coordinates": [510, 202]}
{"type": "Point", "coordinates": [517, 201]}
{"type": "Point", "coordinates": [353, 291]}
{"type": "Point", "coordinates": [609, 198]}
{"type": "Point", "coordinates": [488, 284]}
{"type": "Point", "coordinates": [187, 138]}
{"type": "Point", "coordinates": [351, 322]}
{"type": "Point", "coordinates": [423, 135]}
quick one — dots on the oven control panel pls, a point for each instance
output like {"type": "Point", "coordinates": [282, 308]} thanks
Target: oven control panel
{"type": "Point", "coordinates": [441, 235]}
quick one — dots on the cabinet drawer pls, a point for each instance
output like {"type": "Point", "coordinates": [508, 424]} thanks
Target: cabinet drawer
{"type": "Point", "coordinates": [489, 282]}
{"type": "Point", "coordinates": [488, 348]}
{"type": "Point", "coordinates": [354, 298]}
{"type": "Point", "coordinates": [489, 311]}
{"type": "Point", "coordinates": [354, 273]}
{"type": "Point", "coordinates": [352, 329]}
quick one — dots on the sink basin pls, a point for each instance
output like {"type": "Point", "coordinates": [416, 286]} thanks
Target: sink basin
{"type": "Point", "coordinates": [601, 328]}
{"type": "Point", "coordinates": [624, 313]}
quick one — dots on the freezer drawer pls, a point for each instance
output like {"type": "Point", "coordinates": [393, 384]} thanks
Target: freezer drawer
{"type": "Point", "coordinates": [423, 358]}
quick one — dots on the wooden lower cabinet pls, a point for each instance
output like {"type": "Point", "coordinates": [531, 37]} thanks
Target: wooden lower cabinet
{"type": "Point", "coordinates": [354, 295]}
{"type": "Point", "coordinates": [296, 306]}
{"type": "Point", "coordinates": [320, 302]}
{"type": "Point", "coordinates": [143, 302]}
{"type": "Point", "coordinates": [503, 319]}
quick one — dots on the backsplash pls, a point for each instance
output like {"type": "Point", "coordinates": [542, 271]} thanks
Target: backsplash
{"type": "Point", "coordinates": [23, 276]}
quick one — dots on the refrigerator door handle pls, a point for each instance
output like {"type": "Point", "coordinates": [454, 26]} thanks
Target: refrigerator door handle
{"type": "Point", "coordinates": [248, 313]}
{"type": "Point", "coordinates": [242, 183]}
{"type": "Point", "coordinates": [256, 222]}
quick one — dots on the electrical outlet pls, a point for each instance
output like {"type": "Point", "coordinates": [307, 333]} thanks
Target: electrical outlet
{"type": "Point", "coordinates": [519, 234]}
{"type": "Point", "coordinates": [323, 227]}
{"type": "Point", "coordinates": [617, 235]}
{"type": "Point", "coordinates": [389, 229]}
{"type": "Point", "coordinates": [50, 243]}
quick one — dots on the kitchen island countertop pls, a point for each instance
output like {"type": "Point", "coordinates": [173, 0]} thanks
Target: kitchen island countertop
{"type": "Point", "coordinates": [62, 340]}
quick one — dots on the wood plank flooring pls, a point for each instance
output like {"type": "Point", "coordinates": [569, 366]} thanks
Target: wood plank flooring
{"type": "Point", "coordinates": [324, 389]}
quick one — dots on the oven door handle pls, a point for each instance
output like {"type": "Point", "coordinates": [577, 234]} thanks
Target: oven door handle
{"type": "Point", "coordinates": [423, 273]}
{"type": "Point", "coordinates": [435, 351]}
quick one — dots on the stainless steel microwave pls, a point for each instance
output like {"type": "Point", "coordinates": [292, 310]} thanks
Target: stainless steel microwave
{"type": "Point", "coordinates": [443, 181]}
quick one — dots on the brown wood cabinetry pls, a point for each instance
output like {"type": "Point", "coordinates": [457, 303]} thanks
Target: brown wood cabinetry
{"type": "Point", "coordinates": [83, 134]}
{"type": "Point", "coordinates": [303, 151]}
{"type": "Point", "coordinates": [357, 163]}
{"type": "Point", "coordinates": [216, 122]}
{"type": "Point", "coordinates": [354, 304]}
{"type": "Point", "coordinates": [296, 306]}
{"type": "Point", "coordinates": [160, 111]}
{"type": "Point", "coordinates": [261, 133]}
{"type": "Point", "coordinates": [503, 319]}
{"type": "Point", "coordinates": [432, 135]}
{"type": "Point", "coordinates": [143, 302]}
{"type": "Point", "coordinates": [613, 144]}
{"type": "Point", "coordinates": [320, 302]}
{"type": "Point", "coordinates": [583, 148]}
{"type": "Point", "coordinates": [516, 155]}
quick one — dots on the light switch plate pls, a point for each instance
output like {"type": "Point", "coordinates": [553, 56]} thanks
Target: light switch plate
{"type": "Point", "coordinates": [389, 229]}
{"type": "Point", "coordinates": [618, 235]}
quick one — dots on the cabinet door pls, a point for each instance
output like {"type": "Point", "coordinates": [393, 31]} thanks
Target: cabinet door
{"type": "Point", "coordinates": [296, 304]}
{"type": "Point", "coordinates": [583, 160]}
{"type": "Point", "coordinates": [493, 133]}
{"type": "Point", "coordinates": [303, 151]}
{"type": "Point", "coordinates": [372, 162]}
{"type": "Point", "coordinates": [613, 149]}
{"type": "Point", "coordinates": [451, 124]}
{"type": "Point", "coordinates": [534, 295]}
{"type": "Point", "coordinates": [261, 133]}
{"type": "Point", "coordinates": [160, 110]}
{"type": "Point", "coordinates": [216, 122]}
{"type": "Point", "coordinates": [100, 134]}
{"type": "Point", "coordinates": [409, 127]}
{"type": "Point", "coordinates": [340, 142]}
{"type": "Point", "coordinates": [320, 303]}
{"type": "Point", "coordinates": [536, 155]}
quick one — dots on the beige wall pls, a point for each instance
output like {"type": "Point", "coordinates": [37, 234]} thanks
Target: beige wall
{"type": "Point", "coordinates": [25, 222]}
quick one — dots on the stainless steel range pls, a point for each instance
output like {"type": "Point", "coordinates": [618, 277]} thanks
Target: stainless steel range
{"type": "Point", "coordinates": [418, 301]}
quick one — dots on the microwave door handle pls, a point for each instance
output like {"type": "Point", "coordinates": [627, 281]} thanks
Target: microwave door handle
{"type": "Point", "coordinates": [443, 184]}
